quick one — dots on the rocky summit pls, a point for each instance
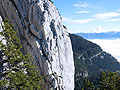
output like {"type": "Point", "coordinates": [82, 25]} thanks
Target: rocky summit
{"type": "Point", "coordinates": [43, 36]}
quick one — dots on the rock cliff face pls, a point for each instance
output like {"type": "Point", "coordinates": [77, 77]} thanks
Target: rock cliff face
{"type": "Point", "coordinates": [44, 37]}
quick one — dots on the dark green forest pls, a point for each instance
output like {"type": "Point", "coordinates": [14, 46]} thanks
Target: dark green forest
{"type": "Point", "coordinates": [107, 81]}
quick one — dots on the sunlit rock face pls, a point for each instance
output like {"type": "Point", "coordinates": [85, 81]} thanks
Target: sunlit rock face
{"type": "Point", "coordinates": [44, 37]}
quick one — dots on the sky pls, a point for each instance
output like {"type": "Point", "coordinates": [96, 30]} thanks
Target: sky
{"type": "Point", "coordinates": [89, 15]}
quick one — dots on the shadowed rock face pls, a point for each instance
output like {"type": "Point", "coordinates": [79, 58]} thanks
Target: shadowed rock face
{"type": "Point", "coordinates": [43, 36]}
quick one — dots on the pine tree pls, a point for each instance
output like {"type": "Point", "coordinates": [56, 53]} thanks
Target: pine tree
{"type": "Point", "coordinates": [109, 81]}
{"type": "Point", "coordinates": [88, 85]}
{"type": "Point", "coordinates": [18, 73]}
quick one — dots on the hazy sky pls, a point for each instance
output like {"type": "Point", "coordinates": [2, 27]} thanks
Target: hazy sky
{"type": "Point", "coordinates": [90, 15]}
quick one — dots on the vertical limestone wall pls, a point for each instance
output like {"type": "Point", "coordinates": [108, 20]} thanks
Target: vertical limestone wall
{"type": "Point", "coordinates": [43, 36]}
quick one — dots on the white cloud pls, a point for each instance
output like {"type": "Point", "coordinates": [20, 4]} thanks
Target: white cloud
{"type": "Point", "coordinates": [82, 21]}
{"type": "Point", "coordinates": [110, 46]}
{"type": "Point", "coordinates": [81, 4]}
{"type": "Point", "coordinates": [112, 20]}
{"type": "Point", "coordinates": [82, 11]}
{"type": "Point", "coordinates": [66, 19]}
{"type": "Point", "coordinates": [117, 29]}
{"type": "Point", "coordinates": [76, 21]}
{"type": "Point", "coordinates": [107, 15]}
{"type": "Point", "coordinates": [99, 29]}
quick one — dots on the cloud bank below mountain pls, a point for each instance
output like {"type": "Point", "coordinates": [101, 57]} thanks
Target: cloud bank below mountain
{"type": "Point", "coordinates": [110, 46]}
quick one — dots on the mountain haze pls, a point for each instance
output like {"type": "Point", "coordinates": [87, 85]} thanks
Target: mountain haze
{"type": "Point", "coordinates": [102, 35]}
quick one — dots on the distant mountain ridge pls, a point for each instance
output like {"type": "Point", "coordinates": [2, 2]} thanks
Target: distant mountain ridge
{"type": "Point", "coordinates": [102, 35]}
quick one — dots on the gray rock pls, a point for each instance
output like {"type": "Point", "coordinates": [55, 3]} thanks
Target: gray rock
{"type": "Point", "coordinates": [43, 36]}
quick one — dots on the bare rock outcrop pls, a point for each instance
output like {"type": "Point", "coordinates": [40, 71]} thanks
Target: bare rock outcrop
{"type": "Point", "coordinates": [44, 37]}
